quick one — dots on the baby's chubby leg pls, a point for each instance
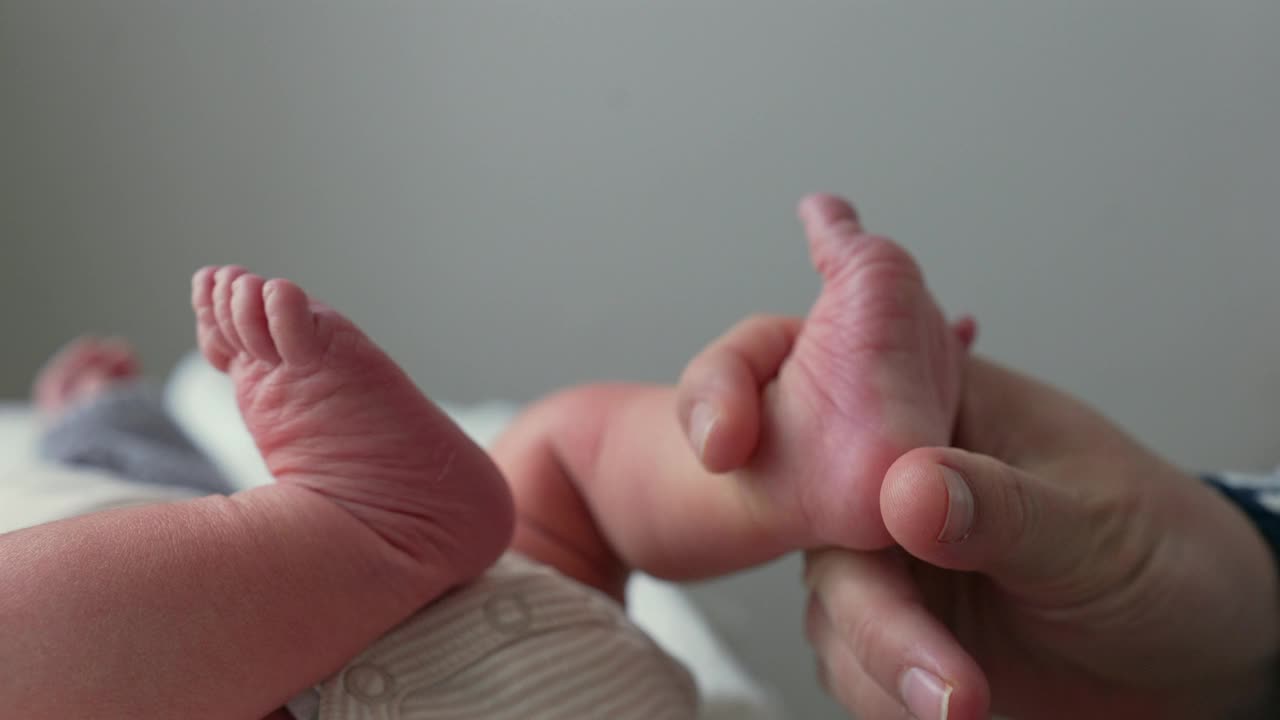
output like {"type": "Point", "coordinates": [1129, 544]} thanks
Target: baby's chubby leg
{"type": "Point", "coordinates": [333, 415]}
{"type": "Point", "coordinates": [225, 607]}
{"type": "Point", "coordinates": [777, 438]}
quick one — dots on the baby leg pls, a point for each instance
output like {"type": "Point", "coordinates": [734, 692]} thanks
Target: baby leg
{"type": "Point", "coordinates": [228, 606]}
{"type": "Point", "coordinates": [335, 417]}
{"type": "Point", "coordinates": [808, 414]}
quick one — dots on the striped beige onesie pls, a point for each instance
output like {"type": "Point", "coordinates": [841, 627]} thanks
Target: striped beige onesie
{"type": "Point", "coordinates": [521, 643]}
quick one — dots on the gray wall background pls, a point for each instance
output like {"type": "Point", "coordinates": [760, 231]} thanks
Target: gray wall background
{"type": "Point", "coordinates": [513, 197]}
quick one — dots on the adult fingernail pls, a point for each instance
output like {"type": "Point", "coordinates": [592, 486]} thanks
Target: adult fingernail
{"type": "Point", "coordinates": [701, 422]}
{"type": "Point", "coordinates": [924, 694]}
{"type": "Point", "coordinates": [959, 520]}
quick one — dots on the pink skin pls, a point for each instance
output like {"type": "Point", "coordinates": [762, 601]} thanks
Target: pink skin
{"type": "Point", "coordinates": [1080, 576]}
{"type": "Point", "coordinates": [81, 370]}
{"type": "Point", "coordinates": [333, 414]}
{"type": "Point", "coordinates": [875, 372]}
{"type": "Point", "coordinates": [229, 606]}
{"type": "Point", "coordinates": [382, 503]}
{"type": "Point", "coordinates": [804, 414]}
{"type": "Point", "coordinates": [1066, 573]}
{"type": "Point", "coordinates": [606, 482]}
{"type": "Point", "coordinates": [872, 372]}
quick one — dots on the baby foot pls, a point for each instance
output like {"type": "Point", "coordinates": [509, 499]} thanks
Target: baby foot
{"type": "Point", "coordinates": [332, 413]}
{"type": "Point", "coordinates": [875, 371]}
{"type": "Point", "coordinates": [80, 371]}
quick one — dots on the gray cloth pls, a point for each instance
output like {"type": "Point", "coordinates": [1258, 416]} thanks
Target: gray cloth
{"type": "Point", "coordinates": [127, 432]}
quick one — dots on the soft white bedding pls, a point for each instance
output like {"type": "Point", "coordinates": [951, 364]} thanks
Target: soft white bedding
{"type": "Point", "coordinates": [17, 430]}
{"type": "Point", "coordinates": [201, 399]}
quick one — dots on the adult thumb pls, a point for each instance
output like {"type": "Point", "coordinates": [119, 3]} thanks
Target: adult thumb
{"type": "Point", "coordinates": [964, 511]}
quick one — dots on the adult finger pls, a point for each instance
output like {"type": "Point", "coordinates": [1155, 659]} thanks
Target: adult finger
{"type": "Point", "coordinates": [876, 616]}
{"type": "Point", "coordinates": [964, 511]}
{"type": "Point", "coordinates": [842, 676]}
{"type": "Point", "coordinates": [720, 392]}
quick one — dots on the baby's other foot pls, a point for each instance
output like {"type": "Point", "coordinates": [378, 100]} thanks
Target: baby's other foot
{"type": "Point", "coordinates": [332, 413]}
{"type": "Point", "coordinates": [875, 371]}
{"type": "Point", "coordinates": [814, 413]}
{"type": "Point", "coordinates": [83, 369]}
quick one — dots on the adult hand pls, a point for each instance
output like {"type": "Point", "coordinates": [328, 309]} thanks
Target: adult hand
{"type": "Point", "coordinates": [1053, 568]}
